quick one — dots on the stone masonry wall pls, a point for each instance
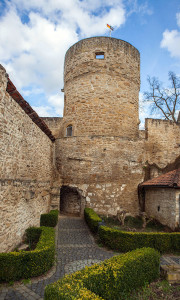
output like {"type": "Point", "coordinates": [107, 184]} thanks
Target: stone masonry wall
{"type": "Point", "coordinates": [101, 95]}
{"type": "Point", "coordinates": [161, 204]}
{"type": "Point", "coordinates": [107, 170]}
{"type": "Point", "coordinates": [163, 141]}
{"type": "Point", "coordinates": [25, 170]}
{"type": "Point", "coordinates": [54, 124]}
{"type": "Point", "coordinates": [104, 160]}
{"type": "Point", "coordinates": [107, 156]}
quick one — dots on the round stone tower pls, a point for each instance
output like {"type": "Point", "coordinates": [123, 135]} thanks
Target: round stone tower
{"type": "Point", "coordinates": [98, 153]}
{"type": "Point", "coordinates": [101, 88]}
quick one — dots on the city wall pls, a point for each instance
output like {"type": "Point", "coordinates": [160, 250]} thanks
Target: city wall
{"type": "Point", "coordinates": [107, 170]}
{"type": "Point", "coordinates": [162, 146]}
{"type": "Point", "coordinates": [54, 124]}
{"type": "Point", "coordinates": [25, 169]}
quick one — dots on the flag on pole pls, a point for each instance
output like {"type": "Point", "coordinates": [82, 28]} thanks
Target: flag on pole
{"type": "Point", "coordinates": [110, 27]}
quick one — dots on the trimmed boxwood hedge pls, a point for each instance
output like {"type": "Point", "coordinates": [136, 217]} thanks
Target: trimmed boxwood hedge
{"type": "Point", "coordinates": [126, 241]}
{"type": "Point", "coordinates": [70, 288]}
{"type": "Point", "coordinates": [33, 235]}
{"type": "Point", "coordinates": [92, 219]}
{"type": "Point", "coordinates": [111, 280]}
{"type": "Point", "coordinates": [50, 219]}
{"type": "Point", "coordinates": [26, 264]}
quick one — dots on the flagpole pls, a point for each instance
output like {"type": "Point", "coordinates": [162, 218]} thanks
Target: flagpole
{"type": "Point", "coordinates": [110, 29]}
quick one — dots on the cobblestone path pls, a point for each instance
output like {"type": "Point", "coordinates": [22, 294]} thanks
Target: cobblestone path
{"type": "Point", "coordinates": [75, 250]}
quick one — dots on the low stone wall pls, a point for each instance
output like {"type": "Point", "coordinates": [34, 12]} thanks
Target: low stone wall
{"type": "Point", "coordinates": [163, 205]}
{"type": "Point", "coordinates": [25, 169]}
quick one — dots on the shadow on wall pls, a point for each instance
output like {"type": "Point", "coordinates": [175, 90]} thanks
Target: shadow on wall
{"type": "Point", "coordinates": [71, 201]}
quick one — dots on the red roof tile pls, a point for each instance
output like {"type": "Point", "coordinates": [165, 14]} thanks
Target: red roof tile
{"type": "Point", "coordinates": [170, 179]}
{"type": "Point", "coordinates": [11, 89]}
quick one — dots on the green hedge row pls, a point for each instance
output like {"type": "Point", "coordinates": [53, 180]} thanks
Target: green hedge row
{"type": "Point", "coordinates": [92, 219]}
{"type": "Point", "coordinates": [26, 264]}
{"type": "Point", "coordinates": [127, 241]}
{"type": "Point", "coordinates": [69, 288]}
{"type": "Point", "coordinates": [50, 219]}
{"type": "Point", "coordinates": [111, 280]}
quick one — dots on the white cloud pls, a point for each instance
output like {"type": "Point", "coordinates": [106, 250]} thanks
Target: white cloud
{"type": "Point", "coordinates": [43, 111]}
{"type": "Point", "coordinates": [35, 35]}
{"type": "Point", "coordinates": [140, 8]}
{"type": "Point", "coordinates": [178, 19]}
{"type": "Point", "coordinates": [171, 40]}
{"type": "Point", "coordinates": [34, 91]}
{"type": "Point", "coordinates": [54, 107]}
{"type": "Point", "coordinates": [177, 113]}
{"type": "Point", "coordinates": [33, 52]}
{"type": "Point", "coordinates": [144, 110]}
{"type": "Point", "coordinates": [57, 102]}
{"type": "Point", "coordinates": [13, 39]}
{"type": "Point", "coordinates": [39, 55]}
{"type": "Point", "coordinates": [89, 17]}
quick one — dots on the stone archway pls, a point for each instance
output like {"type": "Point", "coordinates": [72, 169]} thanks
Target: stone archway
{"type": "Point", "coordinates": [71, 201]}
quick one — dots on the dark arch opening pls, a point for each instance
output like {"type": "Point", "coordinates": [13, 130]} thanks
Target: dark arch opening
{"type": "Point", "coordinates": [71, 201]}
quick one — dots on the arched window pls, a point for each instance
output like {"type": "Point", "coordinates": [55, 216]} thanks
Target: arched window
{"type": "Point", "coordinates": [69, 130]}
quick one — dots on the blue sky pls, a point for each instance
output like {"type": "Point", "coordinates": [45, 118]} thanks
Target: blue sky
{"type": "Point", "coordinates": [35, 34]}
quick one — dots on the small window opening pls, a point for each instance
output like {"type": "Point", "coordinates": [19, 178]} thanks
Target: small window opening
{"type": "Point", "coordinates": [158, 208]}
{"type": "Point", "coordinates": [69, 130]}
{"type": "Point", "coordinates": [99, 55]}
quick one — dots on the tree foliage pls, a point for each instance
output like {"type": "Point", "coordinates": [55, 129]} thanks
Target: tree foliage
{"type": "Point", "coordinates": [166, 100]}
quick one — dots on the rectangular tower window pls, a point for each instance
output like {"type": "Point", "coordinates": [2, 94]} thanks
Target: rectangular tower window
{"type": "Point", "coordinates": [69, 130]}
{"type": "Point", "coordinates": [99, 55]}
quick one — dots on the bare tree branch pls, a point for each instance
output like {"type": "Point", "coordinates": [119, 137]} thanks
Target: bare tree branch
{"type": "Point", "coordinates": [166, 100]}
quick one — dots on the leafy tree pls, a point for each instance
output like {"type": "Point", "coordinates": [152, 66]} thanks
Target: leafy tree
{"type": "Point", "coordinates": [167, 100]}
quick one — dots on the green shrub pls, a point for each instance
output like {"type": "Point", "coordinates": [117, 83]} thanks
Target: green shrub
{"type": "Point", "coordinates": [133, 222]}
{"type": "Point", "coordinates": [127, 241]}
{"type": "Point", "coordinates": [156, 225]}
{"type": "Point", "coordinates": [50, 219]}
{"type": "Point", "coordinates": [69, 288]}
{"type": "Point", "coordinates": [175, 241]}
{"type": "Point", "coordinates": [33, 235]}
{"type": "Point", "coordinates": [26, 264]}
{"type": "Point", "coordinates": [92, 219]}
{"type": "Point", "coordinates": [111, 280]}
